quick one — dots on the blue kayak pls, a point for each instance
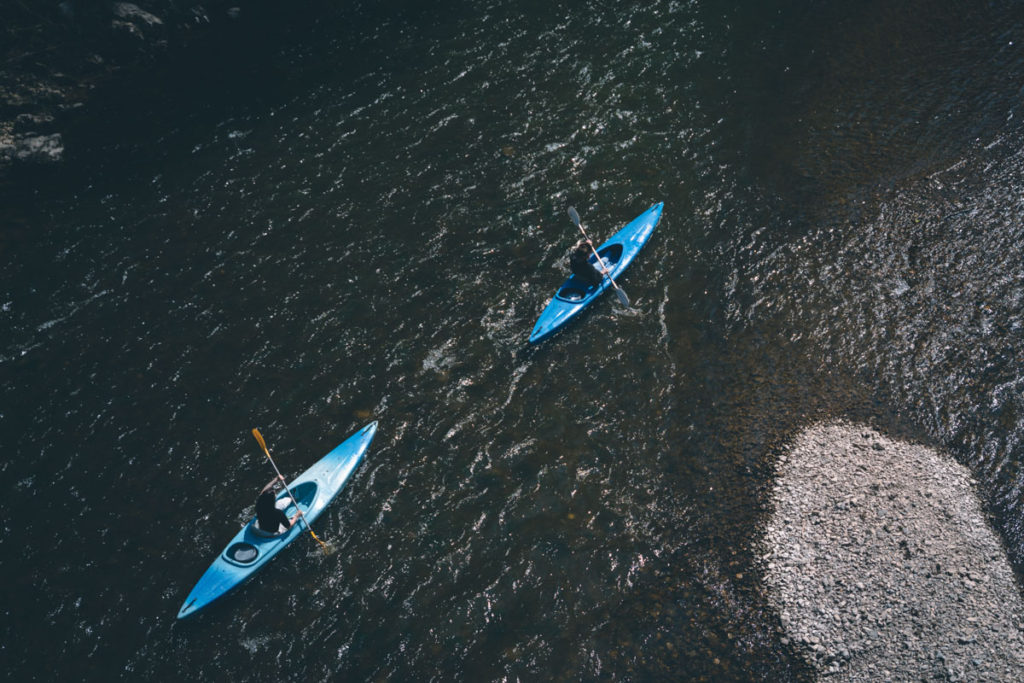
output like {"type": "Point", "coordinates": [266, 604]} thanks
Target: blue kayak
{"type": "Point", "coordinates": [617, 253]}
{"type": "Point", "coordinates": [252, 548]}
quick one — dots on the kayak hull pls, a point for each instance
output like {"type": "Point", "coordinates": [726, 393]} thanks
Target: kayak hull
{"type": "Point", "coordinates": [617, 253]}
{"type": "Point", "coordinates": [251, 548]}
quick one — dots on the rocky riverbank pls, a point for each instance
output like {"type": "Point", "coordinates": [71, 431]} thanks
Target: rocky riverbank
{"type": "Point", "coordinates": [883, 566]}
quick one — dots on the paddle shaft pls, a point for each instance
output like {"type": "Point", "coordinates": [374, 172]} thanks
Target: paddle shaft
{"type": "Point", "coordinates": [575, 217]}
{"type": "Point", "coordinates": [263, 444]}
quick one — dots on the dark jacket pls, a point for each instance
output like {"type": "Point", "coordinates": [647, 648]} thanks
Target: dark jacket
{"type": "Point", "coordinates": [580, 265]}
{"type": "Point", "coordinates": [268, 517]}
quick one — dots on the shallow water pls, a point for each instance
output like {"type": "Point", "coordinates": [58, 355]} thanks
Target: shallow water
{"type": "Point", "coordinates": [362, 220]}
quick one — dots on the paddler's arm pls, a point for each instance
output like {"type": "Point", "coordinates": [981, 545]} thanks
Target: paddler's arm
{"type": "Point", "coordinates": [272, 484]}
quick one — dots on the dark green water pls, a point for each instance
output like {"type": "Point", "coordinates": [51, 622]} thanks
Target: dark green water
{"type": "Point", "coordinates": [362, 220]}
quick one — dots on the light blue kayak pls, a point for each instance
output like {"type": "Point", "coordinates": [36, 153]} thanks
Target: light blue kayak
{"type": "Point", "coordinates": [617, 253]}
{"type": "Point", "coordinates": [252, 548]}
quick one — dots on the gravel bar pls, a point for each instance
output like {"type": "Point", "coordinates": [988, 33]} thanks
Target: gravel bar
{"type": "Point", "coordinates": [882, 565]}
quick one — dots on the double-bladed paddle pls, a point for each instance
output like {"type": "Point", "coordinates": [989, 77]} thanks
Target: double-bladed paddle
{"type": "Point", "coordinates": [263, 445]}
{"type": "Point", "coordinates": [575, 218]}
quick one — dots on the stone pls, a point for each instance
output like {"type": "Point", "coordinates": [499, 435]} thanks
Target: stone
{"type": "Point", "coordinates": [134, 14]}
{"type": "Point", "coordinates": [135, 29]}
{"type": "Point", "coordinates": [32, 123]}
{"type": "Point", "coordinates": [39, 149]}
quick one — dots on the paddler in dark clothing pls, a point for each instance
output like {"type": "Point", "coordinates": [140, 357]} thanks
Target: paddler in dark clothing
{"type": "Point", "coordinates": [269, 517]}
{"type": "Point", "coordinates": [581, 266]}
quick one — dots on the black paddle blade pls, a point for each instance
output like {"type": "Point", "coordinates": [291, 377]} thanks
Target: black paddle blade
{"type": "Point", "coordinates": [573, 216]}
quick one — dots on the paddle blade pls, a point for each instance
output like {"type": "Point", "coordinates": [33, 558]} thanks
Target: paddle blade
{"type": "Point", "coordinates": [574, 217]}
{"type": "Point", "coordinates": [623, 299]}
{"type": "Point", "coordinates": [328, 550]}
{"type": "Point", "coordinates": [259, 437]}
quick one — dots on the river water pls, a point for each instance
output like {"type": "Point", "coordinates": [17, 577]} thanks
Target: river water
{"type": "Point", "coordinates": [306, 230]}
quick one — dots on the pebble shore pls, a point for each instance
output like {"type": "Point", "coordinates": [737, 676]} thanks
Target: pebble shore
{"type": "Point", "coordinates": [882, 565]}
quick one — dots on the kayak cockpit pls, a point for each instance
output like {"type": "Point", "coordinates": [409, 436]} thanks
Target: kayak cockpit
{"type": "Point", "coordinates": [610, 255]}
{"type": "Point", "coordinates": [241, 553]}
{"type": "Point", "coordinates": [576, 289]}
{"type": "Point", "coordinates": [305, 494]}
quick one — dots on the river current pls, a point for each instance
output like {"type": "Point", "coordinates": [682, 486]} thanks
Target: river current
{"type": "Point", "coordinates": [309, 230]}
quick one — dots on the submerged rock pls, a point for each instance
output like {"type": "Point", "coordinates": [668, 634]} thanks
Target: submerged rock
{"type": "Point", "coordinates": [127, 11]}
{"type": "Point", "coordinates": [132, 24]}
{"type": "Point", "coordinates": [40, 149]}
{"type": "Point", "coordinates": [33, 122]}
{"type": "Point", "coordinates": [879, 556]}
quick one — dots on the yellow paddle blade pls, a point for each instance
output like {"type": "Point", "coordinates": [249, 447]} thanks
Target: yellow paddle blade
{"type": "Point", "coordinates": [259, 437]}
{"type": "Point", "coordinates": [323, 545]}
